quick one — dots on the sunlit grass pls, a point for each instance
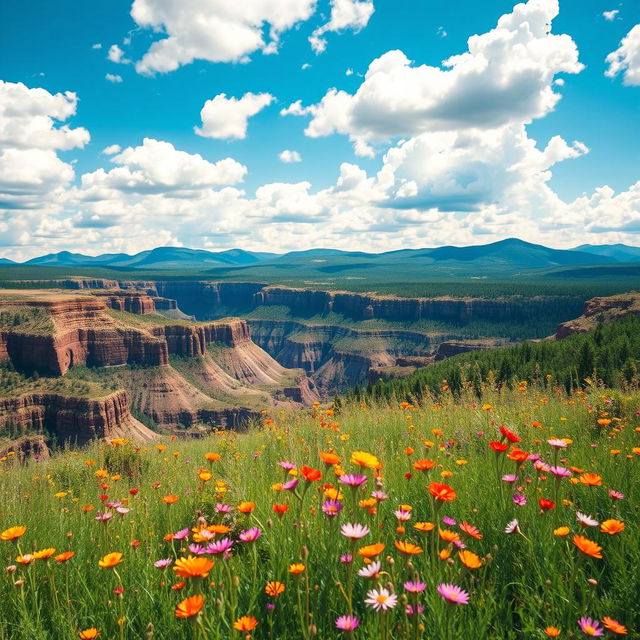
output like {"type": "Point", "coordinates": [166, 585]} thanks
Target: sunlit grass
{"type": "Point", "coordinates": [528, 580]}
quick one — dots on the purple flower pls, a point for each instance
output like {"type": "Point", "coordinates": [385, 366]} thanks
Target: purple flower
{"type": "Point", "coordinates": [250, 535]}
{"type": "Point", "coordinates": [196, 549]}
{"type": "Point", "coordinates": [331, 507]}
{"type": "Point", "coordinates": [453, 593]}
{"type": "Point", "coordinates": [181, 535]}
{"type": "Point", "coordinates": [347, 623]}
{"type": "Point", "coordinates": [519, 499]}
{"type": "Point", "coordinates": [560, 472]}
{"type": "Point", "coordinates": [220, 546]}
{"type": "Point", "coordinates": [509, 477]}
{"type": "Point", "coordinates": [415, 587]}
{"type": "Point", "coordinates": [379, 495]}
{"type": "Point", "coordinates": [449, 521]}
{"type": "Point", "coordinates": [353, 479]}
{"type": "Point", "coordinates": [590, 627]}
{"type": "Point", "coordinates": [221, 507]}
{"type": "Point", "coordinates": [162, 564]}
{"type": "Point", "coordinates": [346, 558]}
{"type": "Point", "coordinates": [413, 610]}
{"type": "Point", "coordinates": [287, 466]}
{"type": "Point", "coordinates": [290, 484]}
{"type": "Point", "coordinates": [104, 517]}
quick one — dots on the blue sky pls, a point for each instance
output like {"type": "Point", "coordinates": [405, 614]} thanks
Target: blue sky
{"type": "Point", "coordinates": [395, 193]}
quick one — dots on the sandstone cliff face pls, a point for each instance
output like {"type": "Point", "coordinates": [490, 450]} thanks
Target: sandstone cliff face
{"type": "Point", "coordinates": [602, 309]}
{"type": "Point", "coordinates": [73, 420]}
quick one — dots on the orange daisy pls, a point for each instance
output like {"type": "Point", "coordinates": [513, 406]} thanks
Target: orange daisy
{"type": "Point", "coordinates": [193, 567]}
{"type": "Point", "coordinates": [588, 547]}
{"type": "Point", "coordinates": [407, 548]}
{"type": "Point", "coordinates": [190, 607]}
{"type": "Point", "coordinates": [274, 588]}
{"type": "Point", "coordinates": [245, 623]}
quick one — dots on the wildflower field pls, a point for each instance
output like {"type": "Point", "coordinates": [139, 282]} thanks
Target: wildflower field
{"type": "Point", "coordinates": [516, 517]}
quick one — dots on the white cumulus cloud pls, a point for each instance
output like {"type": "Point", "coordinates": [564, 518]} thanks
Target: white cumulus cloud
{"type": "Point", "coordinates": [289, 156]}
{"type": "Point", "coordinates": [345, 14]}
{"type": "Point", "coordinates": [610, 15]}
{"type": "Point", "coordinates": [214, 30]}
{"type": "Point", "coordinates": [157, 167]}
{"type": "Point", "coordinates": [224, 117]}
{"type": "Point", "coordinates": [116, 54]}
{"type": "Point", "coordinates": [626, 58]}
{"type": "Point", "coordinates": [505, 76]}
{"type": "Point", "coordinates": [112, 77]}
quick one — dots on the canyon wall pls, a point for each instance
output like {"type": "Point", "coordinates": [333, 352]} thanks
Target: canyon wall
{"type": "Point", "coordinates": [75, 420]}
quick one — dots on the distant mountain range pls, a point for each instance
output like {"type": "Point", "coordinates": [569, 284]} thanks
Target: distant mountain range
{"type": "Point", "coordinates": [510, 255]}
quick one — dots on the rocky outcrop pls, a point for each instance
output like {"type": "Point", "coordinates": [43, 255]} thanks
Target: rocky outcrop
{"type": "Point", "coordinates": [27, 447]}
{"type": "Point", "coordinates": [74, 420]}
{"type": "Point", "coordinates": [602, 309]}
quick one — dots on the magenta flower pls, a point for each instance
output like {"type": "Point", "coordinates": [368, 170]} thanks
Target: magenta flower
{"type": "Point", "coordinates": [290, 484]}
{"type": "Point", "coordinates": [590, 627]}
{"type": "Point", "coordinates": [250, 535]}
{"type": "Point", "coordinates": [104, 517]}
{"type": "Point", "coordinates": [379, 495]}
{"type": "Point", "coordinates": [346, 558]}
{"type": "Point", "coordinates": [123, 510]}
{"type": "Point", "coordinates": [402, 514]}
{"type": "Point", "coordinates": [196, 549]}
{"type": "Point", "coordinates": [616, 495]}
{"type": "Point", "coordinates": [519, 499]}
{"type": "Point", "coordinates": [162, 564]}
{"type": "Point", "coordinates": [220, 546]}
{"type": "Point", "coordinates": [509, 477]}
{"type": "Point", "coordinates": [331, 507]}
{"type": "Point", "coordinates": [347, 623]}
{"type": "Point", "coordinates": [181, 535]}
{"type": "Point", "coordinates": [414, 611]}
{"type": "Point", "coordinates": [560, 472]}
{"type": "Point", "coordinates": [353, 479]}
{"type": "Point", "coordinates": [453, 593]}
{"type": "Point", "coordinates": [287, 466]}
{"type": "Point", "coordinates": [415, 587]}
{"type": "Point", "coordinates": [221, 507]}
{"type": "Point", "coordinates": [450, 522]}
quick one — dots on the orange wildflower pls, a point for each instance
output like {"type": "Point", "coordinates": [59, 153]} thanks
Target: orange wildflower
{"type": "Point", "coordinates": [25, 558]}
{"type": "Point", "coordinates": [407, 548]}
{"type": "Point", "coordinates": [469, 559]}
{"type": "Point", "coordinates": [424, 465]}
{"type": "Point", "coordinates": [212, 457]}
{"type": "Point", "coordinates": [448, 536]}
{"type": "Point", "coordinates": [614, 626]}
{"type": "Point", "coordinates": [246, 507]}
{"type": "Point", "coordinates": [280, 509]}
{"type": "Point", "coordinates": [190, 606]}
{"type": "Point", "coordinates": [274, 588]}
{"type": "Point", "coordinates": [44, 553]}
{"type": "Point", "coordinates": [329, 458]}
{"type": "Point", "coordinates": [364, 459]}
{"type": "Point", "coordinates": [245, 623]}
{"type": "Point", "coordinates": [296, 568]}
{"type": "Point", "coordinates": [310, 474]}
{"type": "Point", "coordinates": [561, 532]}
{"type": "Point", "coordinates": [13, 533]}
{"type": "Point", "coordinates": [371, 550]}
{"type": "Point", "coordinates": [193, 567]}
{"type": "Point", "coordinates": [552, 632]}
{"type": "Point", "coordinates": [442, 492]}
{"type": "Point", "coordinates": [64, 556]}
{"type": "Point", "coordinates": [89, 634]}
{"type": "Point", "coordinates": [470, 530]}
{"type": "Point", "coordinates": [591, 479]}
{"type": "Point", "coordinates": [110, 560]}
{"type": "Point", "coordinates": [588, 547]}
{"type": "Point", "coordinates": [612, 526]}
{"type": "Point", "coordinates": [170, 498]}
{"type": "Point", "coordinates": [424, 527]}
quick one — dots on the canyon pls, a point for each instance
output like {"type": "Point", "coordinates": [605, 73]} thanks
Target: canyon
{"type": "Point", "coordinates": [184, 356]}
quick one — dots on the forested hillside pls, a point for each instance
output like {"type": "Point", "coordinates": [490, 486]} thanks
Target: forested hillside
{"type": "Point", "coordinates": [610, 355]}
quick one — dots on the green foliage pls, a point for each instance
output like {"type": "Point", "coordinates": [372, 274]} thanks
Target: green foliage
{"type": "Point", "coordinates": [25, 319]}
{"type": "Point", "coordinates": [610, 355]}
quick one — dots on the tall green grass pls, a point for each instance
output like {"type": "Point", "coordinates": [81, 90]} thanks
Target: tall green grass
{"type": "Point", "coordinates": [528, 581]}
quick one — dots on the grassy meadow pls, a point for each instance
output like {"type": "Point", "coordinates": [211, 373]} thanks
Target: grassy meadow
{"type": "Point", "coordinates": [467, 531]}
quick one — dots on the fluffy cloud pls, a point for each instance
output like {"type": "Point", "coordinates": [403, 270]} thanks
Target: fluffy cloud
{"type": "Point", "coordinates": [289, 156]}
{"type": "Point", "coordinates": [112, 77]}
{"type": "Point", "coordinates": [224, 117]}
{"type": "Point", "coordinates": [505, 77]}
{"type": "Point", "coordinates": [626, 58]}
{"type": "Point", "coordinates": [32, 176]}
{"type": "Point", "coordinates": [116, 54]}
{"type": "Point", "coordinates": [610, 15]}
{"type": "Point", "coordinates": [214, 30]}
{"type": "Point", "coordinates": [29, 117]}
{"type": "Point", "coordinates": [345, 14]}
{"type": "Point", "coordinates": [158, 167]}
